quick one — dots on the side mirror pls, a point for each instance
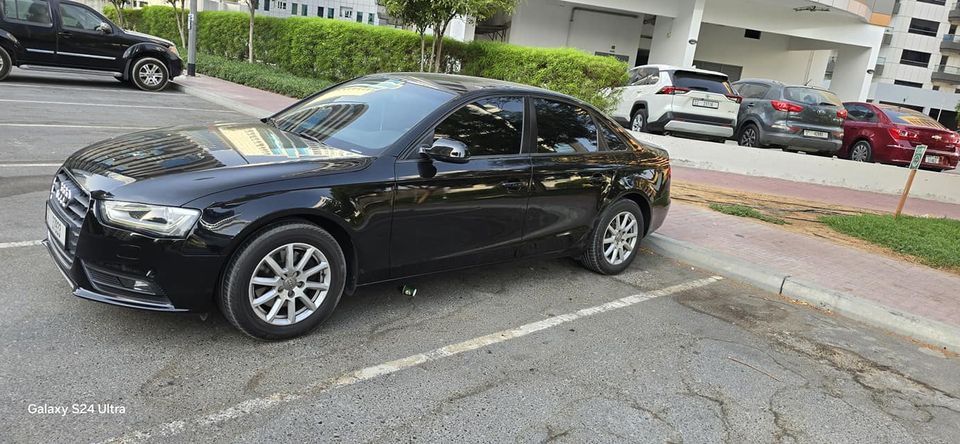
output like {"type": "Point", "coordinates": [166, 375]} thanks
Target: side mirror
{"type": "Point", "coordinates": [105, 28]}
{"type": "Point", "coordinates": [447, 150]}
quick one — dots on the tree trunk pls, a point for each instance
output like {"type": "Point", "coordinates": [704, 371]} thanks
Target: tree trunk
{"type": "Point", "coordinates": [250, 40]}
{"type": "Point", "coordinates": [439, 47]}
{"type": "Point", "coordinates": [423, 49]}
{"type": "Point", "coordinates": [119, 9]}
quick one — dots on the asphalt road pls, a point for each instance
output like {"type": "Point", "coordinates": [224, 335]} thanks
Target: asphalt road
{"type": "Point", "coordinates": [530, 351]}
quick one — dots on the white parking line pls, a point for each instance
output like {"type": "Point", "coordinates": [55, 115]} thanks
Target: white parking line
{"type": "Point", "coordinates": [257, 405]}
{"type": "Point", "coordinates": [19, 244]}
{"type": "Point", "coordinates": [26, 165]}
{"type": "Point", "coordinates": [53, 125]}
{"type": "Point", "coordinates": [111, 89]}
{"type": "Point", "coordinates": [112, 105]}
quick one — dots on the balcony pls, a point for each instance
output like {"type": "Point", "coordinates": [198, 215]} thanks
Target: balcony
{"type": "Point", "coordinates": [948, 74]}
{"type": "Point", "coordinates": [878, 70]}
{"type": "Point", "coordinates": [954, 14]}
{"type": "Point", "coordinates": [887, 36]}
{"type": "Point", "coordinates": [950, 42]}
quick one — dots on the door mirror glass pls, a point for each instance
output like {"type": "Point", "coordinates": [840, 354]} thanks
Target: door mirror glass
{"type": "Point", "coordinates": [105, 28]}
{"type": "Point", "coordinates": [447, 150]}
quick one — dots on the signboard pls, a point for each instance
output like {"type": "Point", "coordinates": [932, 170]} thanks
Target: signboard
{"type": "Point", "coordinates": [918, 154]}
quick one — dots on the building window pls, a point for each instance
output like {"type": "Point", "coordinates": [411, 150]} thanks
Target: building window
{"type": "Point", "coordinates": [359, 17]}
{"type": "Point", "coordinates": [293, 10]}
{"type": "Point", "coordinates": [924, 27]}
{"type": "Point", "coordinates": [934, 2]}
{"type": "Point", "coordinates": [329, 13]}
{"type": "Point", "coordinates": [303, 10]}
{"type": "Point", "coordinates": [370, 18]}
{"type": "Point", "coordinates": [319, 11]}
{"type": "Point", "coordinates": [915, 58]}
{"type": "Point", "coordinates": [346, 12]}
{"type": "Point", "coordinates": [266, 4]}
{"type": "Point", "coordinates": [906, 83]}
{"type": "Point", "coordinates": [936, 87]}
{"type": "Point", "coordinates": [751, 34]}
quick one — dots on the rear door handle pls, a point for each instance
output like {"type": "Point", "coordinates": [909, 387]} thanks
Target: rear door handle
{"type": "Point", "coordinates": [512, 186]}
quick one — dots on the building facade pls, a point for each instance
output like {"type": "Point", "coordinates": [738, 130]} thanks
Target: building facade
{"type": "Point", "coordinates": [787, 40]}
{"type": "Point", "coordinates": [360, 11]}
{"type": "Point", "coordinates": [919, 64]}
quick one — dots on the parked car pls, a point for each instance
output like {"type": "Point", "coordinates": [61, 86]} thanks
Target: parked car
{"type": "Point", "coordinates": [379, 178]}
{"type": "Point", "coordinates": [65, 36]}
{"type": "Point", "coordinates": [802, 118]}
{"type": "Point", "coordinates": [889, 134]}
{"type": "Point", "coordinates": [668, 99]}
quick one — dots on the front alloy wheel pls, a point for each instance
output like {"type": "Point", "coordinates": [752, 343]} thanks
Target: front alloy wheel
{"type": "Point", "coordinates": [749, 136]}
{"type": "Point", "coordinates": [149, 74]}
{"type": "Point", "coordinates": [639, 122]}
{"type": "Point", "coordinates": [289, 284]}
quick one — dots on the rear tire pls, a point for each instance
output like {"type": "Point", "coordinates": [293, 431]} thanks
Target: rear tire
{"type": "Point", "coordinates": [149, 74]}
{"type": "Point", "coordinates": [861, 151]}
{"type": "Point", "coordinates": [638, 122]}
{"type": "Point", "coordinates": [6, 63]}
{"type": "Point", "coordinates": [620, 228]}
{"type": "Point", "coordinates": [304, 291]}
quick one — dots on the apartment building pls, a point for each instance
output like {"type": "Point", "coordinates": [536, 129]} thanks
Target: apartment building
{"type": "Point", "coordinates": [919, 59]}
{"type": "Point", "coordinates": [360, 11]}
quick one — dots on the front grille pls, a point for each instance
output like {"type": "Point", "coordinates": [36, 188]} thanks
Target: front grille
{"type": "Point", "coordinates": [72, 210]}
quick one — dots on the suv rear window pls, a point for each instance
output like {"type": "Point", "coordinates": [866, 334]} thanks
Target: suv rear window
{"type": "Point", "coordinates": [906, 116]}
{"type": "Point", "coordinates": [811, 96]}
{"type": "Point", "coordinates": [701, 82]}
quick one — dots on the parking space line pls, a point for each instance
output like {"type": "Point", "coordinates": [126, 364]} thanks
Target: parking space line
{"type": "Point", "coordinates": [19, 244]}
{"type": "Point", "coordinates": [24, 165]}
{"type": "Point", "coordinates": [257, 405]}
{"type": "Point", "coordinates": [110, 89]}
{"type": "Point", "coordinates": [53, 125]}
{"type": "Point", "coordinates": [114, 105]}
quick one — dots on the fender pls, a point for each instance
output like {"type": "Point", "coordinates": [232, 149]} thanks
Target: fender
{"type": "Point", "coordinates": [9, 42]}
{"type": "Point", "coordinates": [638, 104]}
{"type": "Point", "coordinates": [140, 49]}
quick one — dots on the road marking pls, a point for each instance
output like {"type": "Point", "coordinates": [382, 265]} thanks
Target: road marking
{"type": "Point", "coordinates": [53, 125]}
{"type": "Point", "coordinates": [257, 405]}
{"type": "Point", "coordinates": [113, 105]}
{"type": "Point", "coordinates": [112, 88]}
{"type": "Point", "coordinates": [19, 244]}
{"type": "Point", "coordinates": [22, 165]}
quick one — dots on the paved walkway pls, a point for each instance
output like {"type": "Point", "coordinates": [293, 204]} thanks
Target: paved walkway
{"type": "Point", "coordinates": [891, 283]}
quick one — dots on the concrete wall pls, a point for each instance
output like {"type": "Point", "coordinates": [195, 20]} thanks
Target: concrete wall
{"type": "Point", "coordinates": [942, 187]}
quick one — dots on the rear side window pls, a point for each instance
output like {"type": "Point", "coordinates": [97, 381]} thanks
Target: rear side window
{"type": "Point", "coordinates": [488, 127]}
{"type": "Point", "coordinates": [563, 128]}
{"type": "Point", "coordinates": [811, 96]}
{"type": "Point", "coordinates": [905, 116]}
{"type": "Point", "coordinates": [860, 113]}
{"type": "Point", "coordinates": [614, 142]}
{"type": "Point", "coordinates": [31, 11]}
{"type": "Point", "coordinates": [702, 82]}
{"type": "Point", "coordinates": [752, 90]}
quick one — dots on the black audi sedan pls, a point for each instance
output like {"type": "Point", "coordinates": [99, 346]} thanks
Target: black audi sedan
{"type": "Point", "coordinates": [380, 178]}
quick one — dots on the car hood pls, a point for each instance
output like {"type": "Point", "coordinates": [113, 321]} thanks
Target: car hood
{"type": "Point", "coordinates": [148, 37]}
{"type": "Point", "coordinates": [173, 166]}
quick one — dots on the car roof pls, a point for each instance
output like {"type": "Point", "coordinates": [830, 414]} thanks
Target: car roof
{"type": "Point", "coordinates": [662, 67]}
{"type": "Point", "coordinates": [461, 85]}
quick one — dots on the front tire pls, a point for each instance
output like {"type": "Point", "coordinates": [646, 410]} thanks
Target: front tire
{"type": "Point", "coordinates": [749, 136]}
{"type": "Point", "coordinates": [149, 74]}
{"type": "Point", "coordinates": [616, 239]}
{"type": "Point", "coordinates": [284, 282]}
{"type": "Point", "coordinates": [6, 63]}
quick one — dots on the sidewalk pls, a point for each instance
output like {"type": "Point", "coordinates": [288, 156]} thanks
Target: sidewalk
{"type": "Point", "coordinates": [913, 300]}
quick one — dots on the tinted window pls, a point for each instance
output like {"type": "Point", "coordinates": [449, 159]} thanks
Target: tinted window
{"type": "Point", "coordinates": [811, 96]}
{"type": "Point", "coordinates": [906, 116]}
{"type": "Point", "coordinates": [752, 90]}
{"type": "Point", "coordinates": [33, 11]}
{"type": "Point", "coordinates": [644, 76]}
{"type": "Point", "coordinates": [701, 82]}
{"type": "Point", "coordinates": [564, 128]}
{"type": "Point", "coordinates": [75, 17]}
{"type": "Point", "coordinates": [363, 115]}
{"type": "Point", "coordinates": [860, 113]}
{"type": "Point", "coordinates": [614, 142]}
{"type": "Point", "coordinates": [923, 27]}
{"type": "Point", "coordinates": [488, 127]}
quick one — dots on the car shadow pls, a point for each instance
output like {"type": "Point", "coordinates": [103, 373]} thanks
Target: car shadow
{"type": "Point", "coordinates": [56, 79]}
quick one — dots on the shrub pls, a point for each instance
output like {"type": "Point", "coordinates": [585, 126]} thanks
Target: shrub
{"type": "Point", "coordinates": [338, 50]}
{"type": "Point", "coordinates": [259, 76]}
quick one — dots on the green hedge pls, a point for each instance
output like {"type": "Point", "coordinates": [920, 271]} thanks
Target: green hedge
{"type": "Point", "coordinates": [336, 50]}
{"type": "Point", "coordinates": [259, 76]}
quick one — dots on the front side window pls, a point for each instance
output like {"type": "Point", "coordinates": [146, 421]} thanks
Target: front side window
{"type": "Point", "coordinates": [563, 128]}
{"type": "Point", "coordinates": [364, 115]}
{"type": "Point", "coordinates": [31, 11]}
{"type": "Point", "coordinates": [489, 127]}
{"type": "Point", "coordinates": [76, 17]}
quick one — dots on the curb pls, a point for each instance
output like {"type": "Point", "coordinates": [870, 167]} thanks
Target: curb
{"type": "Point", "coordinates": [249, 110]}
{"type": "Point", "coordinates": [869, 312]}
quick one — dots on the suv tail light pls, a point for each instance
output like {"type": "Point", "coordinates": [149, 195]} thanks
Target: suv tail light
{"type": "Point", "coordinates": [902, 134]}
{"type": "Point", "coordinates": [735, 98]}
{"type": "Point", "coordinates": [789, 107]}
{"type": "Point", "coordinates": [842, 113]}
{"type": "Point", "coordinates": [672, 90]}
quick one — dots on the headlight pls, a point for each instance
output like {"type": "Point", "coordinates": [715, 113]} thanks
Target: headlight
{"type": "Point", "coordinates": [173, 50]}
{"type": "Point", "coordinates": [149, 219]}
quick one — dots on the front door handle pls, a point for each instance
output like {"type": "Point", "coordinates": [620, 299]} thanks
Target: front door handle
{"type": "Point", "coordinates": [512, 186]}
{"type": "Point", "coordinates": [65, 34]}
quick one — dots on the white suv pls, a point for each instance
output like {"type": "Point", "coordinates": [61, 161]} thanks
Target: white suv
{"type": "Point", "coordinates": [670, 99]}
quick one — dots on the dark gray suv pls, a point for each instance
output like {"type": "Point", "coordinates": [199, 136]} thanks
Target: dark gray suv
{"type": "Point", "coordinates": [800, 118]}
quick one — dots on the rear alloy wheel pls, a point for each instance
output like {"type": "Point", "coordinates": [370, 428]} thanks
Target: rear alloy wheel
{"type": "Point", "coordinates": [749, 136]}
{"type": "Point", "coordinates": [861, 152]}
{"type": "Point", "coordinates": [616, 238]}
{"type": "Point", "coordinates": [283, 282]}
{"type": "Point", "coordinates": [6, 64]}
{"type": "Point", "coordinates": [638, 122]}
{"type": "Point", "coordinates": [149, 74]}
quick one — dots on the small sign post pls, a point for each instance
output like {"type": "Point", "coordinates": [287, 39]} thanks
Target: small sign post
{"type": "Point", "coordinates": [918, 154]}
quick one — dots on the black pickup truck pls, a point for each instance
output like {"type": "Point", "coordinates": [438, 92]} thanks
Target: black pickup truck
{"type": "Point", "coordinates": [65, 36]}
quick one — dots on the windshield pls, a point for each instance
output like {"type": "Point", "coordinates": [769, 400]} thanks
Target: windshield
{"type": "Point", "coordinates": [702, 82]}
{"type": "Point", "coordinates": [906, 116]}
{"type": "Point", "coordinates": [364, 115]}
{"type": "Point", "coordinates": [811, 96]}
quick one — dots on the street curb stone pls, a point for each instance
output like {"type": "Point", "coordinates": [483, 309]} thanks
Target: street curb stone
{"type": "Point", "coordinates": [249, 110]}
{"type": "Point", "coordinates": [863, 310]}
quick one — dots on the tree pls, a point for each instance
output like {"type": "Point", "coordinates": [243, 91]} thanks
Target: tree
{"type": "Point", "coordinates": [414, 14]}
{"type": "Point", "coordinates": [252, 6]}
{"type": "Point", "coordinates": [118, 5]}
{"type": "Point", "coordinates": [180, 14]}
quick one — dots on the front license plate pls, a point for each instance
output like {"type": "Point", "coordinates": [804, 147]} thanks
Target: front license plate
{"type": "Point", "coordinates": [931, 159]}
{"type": "Point", "coordinates": [57, 228]}
{"type": "Point", "coordinates": [817, 134]}
{"type": "Point", "coordinates": [706, 103]}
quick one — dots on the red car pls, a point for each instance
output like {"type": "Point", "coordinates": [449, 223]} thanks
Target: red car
{"type": "Point", "coordinates": [888, 134]}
